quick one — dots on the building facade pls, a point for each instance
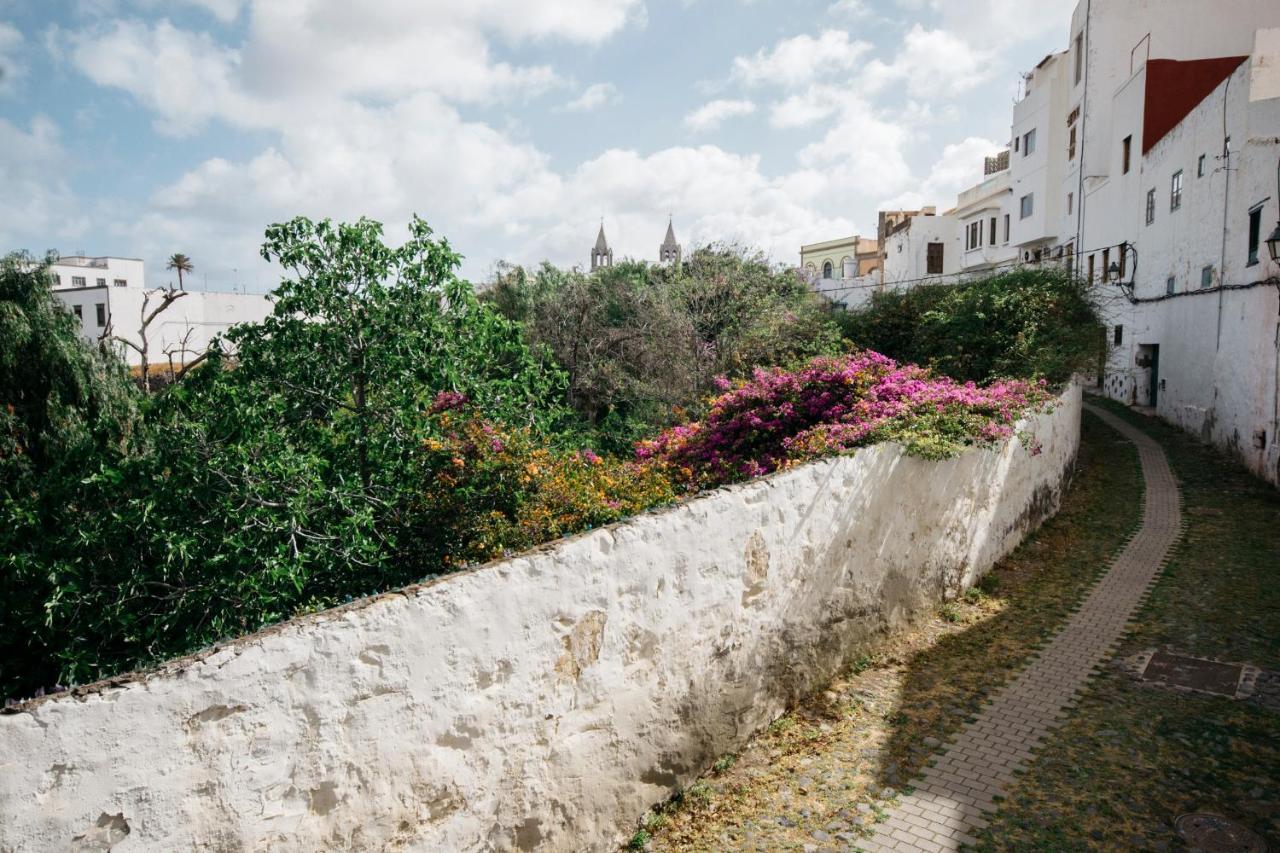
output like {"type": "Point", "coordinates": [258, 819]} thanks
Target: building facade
{"type": "Point", "coordinates": [1144, 157]}
{"type": "Point", "coordinates": [110, 298]}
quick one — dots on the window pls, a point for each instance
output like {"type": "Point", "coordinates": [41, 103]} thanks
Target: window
{"type": "Point", "coordinates": [1151, 206]}
{"type": "Point", "coordinates": [1123, 265]}
{"type": "Point", "coordinates": [1016, 140]}
{"type": "Point", "coordinates": [1200, 167]}
{"type": "Point", "coordinates": [1206, 276]}
{"type": "Point", "coordinates": [1170, 285]}
{"type": "Point", "coordinates": [102, 282]}
{"type": "Point", "coordinates": [1006, 228]}
{"type": "Point", "coordinates": [102, 314]}
{"type": "Point", "coordinates": [1106, 265]}
{"type": "Point", "coordinates": [1255, 234]}
{"type": "Point", "coordinates": [1126, 149]}
{"type": "Point", "coordinates": [826, 269]}
{"type": "Point", "coordinates": [78, 311]}
{"type": "Point", "coordinates": [1119, 335]}
{"type": "Point", "coordinates": [933, 258]}
{"type": "Point", "coordinates": [1175, 190]}
{"type": "Point", "coordinates": [1071, 144]}
{"type": "Point", "coordinates": [992, 240]}
{"type": "Point", "coordinates": [119, 282]}
{"type": "Point", "coordinates": [1091, 267]}
{"type": "Point", "coordinates": [1071, 200]}
{"type": "Point", "coordinates": [77, 281]}
{"type": "Point", "coordinates": [1027, 205]}
{"type": "Point", "coordinates": [57, 280]}
{"type": "Point", "coordinates": [1029, 143]}
{"type": "Point", "coordinates": [1071, 259]}
{"type": "Point", "coordinates": [1078, 53]}
{"type": "Point", "coordinates": [973, 235]}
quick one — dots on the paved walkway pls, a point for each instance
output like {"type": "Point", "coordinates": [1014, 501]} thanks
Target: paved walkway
{"type": "Point", "coordinates": [950, 797]}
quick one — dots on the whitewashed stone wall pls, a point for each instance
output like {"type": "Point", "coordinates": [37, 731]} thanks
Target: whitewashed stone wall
{"type": "Point", "coordinates": [542, 702]}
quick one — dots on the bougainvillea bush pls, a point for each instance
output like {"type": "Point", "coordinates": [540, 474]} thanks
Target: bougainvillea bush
{"type": "Point", "coordinates": [779, 418]}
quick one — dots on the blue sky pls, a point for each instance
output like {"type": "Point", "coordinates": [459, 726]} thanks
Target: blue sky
{"type": "Point", "coordinates": [142, 127]}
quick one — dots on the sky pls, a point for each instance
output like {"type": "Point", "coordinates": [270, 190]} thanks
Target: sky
{"type": "Point", "coordinates": [140, 128]}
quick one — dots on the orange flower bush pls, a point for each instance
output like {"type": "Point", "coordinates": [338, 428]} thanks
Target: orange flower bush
{"type": "Point", "coordinates": [492, 490]}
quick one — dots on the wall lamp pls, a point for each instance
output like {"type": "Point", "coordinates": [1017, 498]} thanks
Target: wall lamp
{"type": "Point", "coordinates": [1273, 242]}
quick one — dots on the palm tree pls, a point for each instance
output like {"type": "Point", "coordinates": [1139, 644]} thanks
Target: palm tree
{"type": "Point", "coordinates": [181, 263]}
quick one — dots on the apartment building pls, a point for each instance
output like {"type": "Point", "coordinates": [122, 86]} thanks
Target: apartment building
{"type": "Point", "coordinates": [1145, 158]}
{"type": "Point", "coordinates": [110, 296]}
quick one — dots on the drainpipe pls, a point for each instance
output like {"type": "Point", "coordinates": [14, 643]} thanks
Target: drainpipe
{"type": "Point", "coordinates": [1226, 200]}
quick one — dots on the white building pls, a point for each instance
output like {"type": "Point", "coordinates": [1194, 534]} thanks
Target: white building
{"type": "Point", "coordinates": [1144, 157]}
{"type": "Point", "coordinates": [983, 215]}
{"type": "Point", "coordinates": [971, 238]}
{"type": "Point", "coordinates": [110, 297]}
{"type": "Point", "coordinates": [1043, 138]}
{"type": "Point", "coordinates": [920, 247]}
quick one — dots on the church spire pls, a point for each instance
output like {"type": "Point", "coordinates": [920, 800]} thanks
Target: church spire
{"type": "Point", "coordinates": [601, 254]}
{"type": "Point", "coordinates": [669, 251]}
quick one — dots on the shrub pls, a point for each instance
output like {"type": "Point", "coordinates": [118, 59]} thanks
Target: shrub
{"type": "Point", "coordinates": [779, 417]}
{"type": "Point", "coordinates": [489, 490]}
{"type": "Point", "coordinates": [1028, 323]}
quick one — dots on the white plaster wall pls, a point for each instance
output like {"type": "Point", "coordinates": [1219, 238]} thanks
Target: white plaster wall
{"type": "Point", "coordinates": [1040, 173]}
{"type": "Point", "coordinates": [129, 270]}
{"type": "Point", "coordinates": [906, 251]}
{"type": "Point", "coordinates": [540, 702]}
{"type": "Point", "coordinates": [1218, 358]}
{"type": "Point", "coordinates": [196, 318]}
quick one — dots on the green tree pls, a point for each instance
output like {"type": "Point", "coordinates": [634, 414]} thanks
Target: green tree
{"type": "Point", "coordinates": [643, 345]}
{"type": "Point", "coordinates": [182, 264]}
{"type": "Point", "coordinates": [284, 474]}
{"type": "Point", "coordinates": [67, 411]}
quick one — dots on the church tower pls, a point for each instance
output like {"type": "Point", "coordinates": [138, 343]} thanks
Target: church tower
{"type": "Point", "coordinates": [669, 251]}
{"type": "Point", "coordinates": [601, 254]}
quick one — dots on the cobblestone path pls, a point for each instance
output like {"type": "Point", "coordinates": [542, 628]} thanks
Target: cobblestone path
{"type": "Point", "coordinates": [950, 797]}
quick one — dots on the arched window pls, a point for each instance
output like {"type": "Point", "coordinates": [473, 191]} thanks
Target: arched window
{"type": "Point", "coordinates": [826, 269]}
{"type": "Point", "coordinates": [847, 268]}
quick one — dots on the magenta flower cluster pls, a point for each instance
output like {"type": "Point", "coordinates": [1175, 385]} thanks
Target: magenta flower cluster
{"type": "Point", "coordinates": [831, 405]}
{"type": "Point", "coordinates": [446, 401]}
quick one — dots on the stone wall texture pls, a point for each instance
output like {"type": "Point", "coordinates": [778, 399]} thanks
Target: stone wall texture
{"type": "Point", "coordinates": [542, 702]}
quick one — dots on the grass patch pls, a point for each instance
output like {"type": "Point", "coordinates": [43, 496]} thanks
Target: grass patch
{"type": "Point", "coordinates": [828, 765]}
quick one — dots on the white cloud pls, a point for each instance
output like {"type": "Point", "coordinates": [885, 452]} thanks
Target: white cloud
{"type": "Point", "coordinates": [805, 108]}
{"type": "Point", "coordinates": [225, 11]}
{"type": "Point", "coordinates": [37, 206]}
{"type": "Point", "coordinates": [299, 54]}
{"type": "Point", "coordinates": [594, 97]}
{"type": "Point", "coordinates": [957, 168]}
{"type": "Point", "coordinates": [856, 9]}
{"type": "Point", "coordinates": [994, 23]}
{"type": "Point", "coordinates": [712, 114]}
{"type": "Point", "coordinates": [11, 70]}
{"type": "Point", "coordinates": [796, 61]}
{"type": "Point", "coordinates": [185, 78]}
{"type": "Point", "coordinates": [933, 64]}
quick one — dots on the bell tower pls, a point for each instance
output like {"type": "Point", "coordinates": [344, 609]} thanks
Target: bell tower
{"type": "Point", "coordinates": [601, 254]}
{"type": "Point", "coordinates": [669, 251]}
